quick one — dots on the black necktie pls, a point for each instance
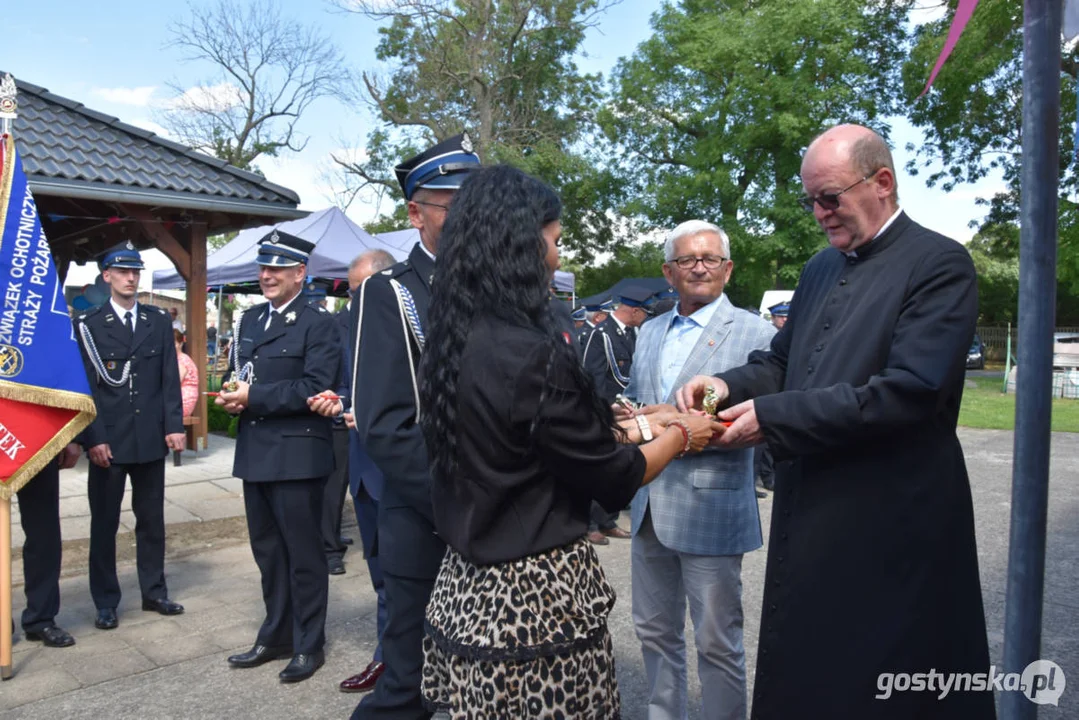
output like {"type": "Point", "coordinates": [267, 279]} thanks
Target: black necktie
{"type": "Point", "coordinates": [128, 322]}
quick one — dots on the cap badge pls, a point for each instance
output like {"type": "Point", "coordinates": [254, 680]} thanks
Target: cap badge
{"type": "Point", "coordinates": [129, 246]}
{"type": "Point", "coordinates": [275, 238]}
{"type": "Point", "coordinates": [466, 143]}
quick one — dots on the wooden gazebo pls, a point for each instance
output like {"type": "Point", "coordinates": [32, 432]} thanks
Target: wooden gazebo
{"type": "Point", "coordinates": [98, 181]}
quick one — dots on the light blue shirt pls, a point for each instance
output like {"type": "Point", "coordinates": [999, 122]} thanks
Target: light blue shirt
{"type": "Point", "coordinates": [679, 339]}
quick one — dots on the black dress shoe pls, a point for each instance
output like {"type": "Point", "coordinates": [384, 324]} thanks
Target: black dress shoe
{"type": "Point", "coordinates": [259, 655]}
{"type": "Point", "coordinates": [52, 636]}
{"type": "Point", "coordinates": [345, 540]}
{"type": "Point", "coordinates": [163, 606]}
{"type": "Point", "coordinates": [106, 619]}
{"type": "Point", "coordinates": [302, 667]}
{"type": "Point", "coordinates": [762, 494]}
{"type": "Point", "coordinates": [336, 565]}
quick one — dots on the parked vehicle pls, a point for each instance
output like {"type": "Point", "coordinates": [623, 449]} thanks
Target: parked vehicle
{"type": "Point", "coordinates": [976, 354]}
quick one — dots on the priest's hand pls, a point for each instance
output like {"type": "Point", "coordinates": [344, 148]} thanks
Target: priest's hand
{"type": "Point", "coordinates": [744, 431]}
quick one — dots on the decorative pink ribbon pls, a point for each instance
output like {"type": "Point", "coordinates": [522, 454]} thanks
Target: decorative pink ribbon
{"type": "Point", "coordinates": [959, 23]}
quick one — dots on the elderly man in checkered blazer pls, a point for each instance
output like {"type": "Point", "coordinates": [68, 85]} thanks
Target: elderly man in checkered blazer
{"type": "Point", "coordinates": [692, 525]}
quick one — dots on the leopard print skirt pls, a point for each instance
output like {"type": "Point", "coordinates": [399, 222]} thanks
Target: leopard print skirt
{"type": "Point", "coordinates": [524, 639]}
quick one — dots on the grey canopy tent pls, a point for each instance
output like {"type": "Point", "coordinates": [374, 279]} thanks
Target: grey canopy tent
{"type": "Point", "coordinates": [337, 241]}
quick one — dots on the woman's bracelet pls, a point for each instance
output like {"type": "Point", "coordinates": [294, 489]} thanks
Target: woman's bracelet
{"type": "Point", "coordinates": [645, 427]}
{"type": "Point", "coordinates": [687, 436]}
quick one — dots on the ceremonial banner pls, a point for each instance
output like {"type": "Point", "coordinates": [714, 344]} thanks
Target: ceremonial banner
{"type": "Point", "coordinates": [45, 398]}
{"type": "Point", "coordinates": [963, 11]}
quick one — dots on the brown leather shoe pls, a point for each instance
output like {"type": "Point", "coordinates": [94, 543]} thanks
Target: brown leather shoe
{"type": "Point", "coordinates": [597, 538]}
{"type": "Point", "coordinates": [365, 681]}
{"type": "Point", "coordinates": [617, 532]}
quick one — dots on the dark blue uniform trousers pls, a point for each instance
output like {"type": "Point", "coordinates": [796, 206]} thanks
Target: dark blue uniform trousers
{"type": "Point", "coordinates": [367, 518]}
{"type": "Point", "coordinates": [105, 489]}
{"type": "Point", "coordinates": [283, 520]}
{"type": "Point", "coordinates": [39, 513]}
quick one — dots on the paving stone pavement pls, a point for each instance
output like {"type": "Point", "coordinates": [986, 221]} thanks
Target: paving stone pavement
{"type": "Point", "coordinates": [174, 667]}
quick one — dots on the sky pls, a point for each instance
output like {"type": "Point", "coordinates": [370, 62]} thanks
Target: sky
{"type": "Point", "coordinates": [113, 56]}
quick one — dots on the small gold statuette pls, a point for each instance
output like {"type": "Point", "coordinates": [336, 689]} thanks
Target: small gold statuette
{"type": "Point", "coordinates": [231, 386]}
{"type": "Point", "coordinates": [711, 401]}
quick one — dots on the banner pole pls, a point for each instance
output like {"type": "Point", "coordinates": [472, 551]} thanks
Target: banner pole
{"type": "Point", "coordinates": [5, 589]}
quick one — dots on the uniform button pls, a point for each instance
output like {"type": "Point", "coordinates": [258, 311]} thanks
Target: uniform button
{"type": "Point", "coordinates": [764, 651]}
{"type": "Point", "coordinates": [779, 559]}
{"type": "Point", "coordinates": [136, 411]}
{"type": "Point", "coordinates": [818, 348]}
{"type": "Point", "coordinates": [827, 325]}
{"type": "Point", "coordinates": [256, 357]}
{"type": "Point", "coordinates": [809, 370]}
{"type": "Point", "coordinates": [772, 607]}
{"type": "Point", "coordinates": [843, 281]}
{"type": "Point", "coordinates": [253, 422]}
{"type": "Point", "coordinates": [775, 583]}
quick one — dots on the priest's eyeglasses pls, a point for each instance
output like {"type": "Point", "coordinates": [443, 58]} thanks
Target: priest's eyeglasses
{"type": "Point", "coordinates": [830, 201]}
{"type": "Point", "coordinates": [688, 262]}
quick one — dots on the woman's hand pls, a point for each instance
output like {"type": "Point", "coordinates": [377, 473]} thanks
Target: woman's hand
{"type": "Point", "coordinates": [701, 430]}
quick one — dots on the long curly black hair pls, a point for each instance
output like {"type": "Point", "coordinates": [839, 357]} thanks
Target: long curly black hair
{"type": "Point", "coordinates": [491, 262]}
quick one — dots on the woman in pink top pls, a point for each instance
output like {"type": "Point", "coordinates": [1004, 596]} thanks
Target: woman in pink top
{"type": "Point", "coordinates": [189, 375]}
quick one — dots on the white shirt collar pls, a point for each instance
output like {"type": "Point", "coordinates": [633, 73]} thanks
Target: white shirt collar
{"type": "Point", "coordinates": [285, 306]}
{"type": "Point", "coordinates": [887, 224]}
{"type": "Point", "coordinates": [621, 325]}
{"type": "Point", "coordinates": [120, 311]}
{"type": "Point", "coordinates": [427, 252]}
{"type": "Point", "coordinates": [702, 316]}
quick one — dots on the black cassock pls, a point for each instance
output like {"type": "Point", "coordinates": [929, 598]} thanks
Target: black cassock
{"type": "Point", "coordinates": [872, 565]}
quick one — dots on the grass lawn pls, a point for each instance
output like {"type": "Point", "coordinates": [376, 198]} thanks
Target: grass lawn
{"type": "Point", "coordinates": [985, 407]}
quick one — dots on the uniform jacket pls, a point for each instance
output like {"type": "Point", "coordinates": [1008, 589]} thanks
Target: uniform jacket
{"type": "Point", "coordinates": [702, 504]}
{"type": "Point", "coordinates": [385, 408]}
{"type": "Point", "coordinates": [597, 363]}
{"type": "Point", "coordinates": [297, 357]}
{"type": "Point", "coordinates": [872, 565]}
{"type": "Point", "coordinates": [362, 470]}
{"type": "Point", "coordinates": [135, 417]}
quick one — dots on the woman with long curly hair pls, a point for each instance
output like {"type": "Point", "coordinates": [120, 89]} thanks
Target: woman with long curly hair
{"type": "Point", "coordinates": [519, 445]}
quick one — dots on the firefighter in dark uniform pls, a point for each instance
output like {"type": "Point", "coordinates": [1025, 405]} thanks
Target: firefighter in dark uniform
{"type": "Point", "coordinates": [130, 359]}
{"type": "Point", "coordinates": [608, 352]}
{"type": "Point", "coordinates": [389, 314]}
{"type": "Point", "coordinates": [594, 315]}
{"type": "Point", "coordinates": [284, 351]}
{"type": "Point", "coordinates": [608, 356]}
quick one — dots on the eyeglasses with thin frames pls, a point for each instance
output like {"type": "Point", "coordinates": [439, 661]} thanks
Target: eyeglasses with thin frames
{"type": "Point", "coordinates": [431, 204]}
{"type": "Point", "coordinates": [830, 201]}
{"type": "Point", "coordinates": [688, 262]}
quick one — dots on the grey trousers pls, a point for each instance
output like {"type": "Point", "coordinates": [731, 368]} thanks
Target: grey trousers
{"type": "Point", "coordinates": [663, 580]}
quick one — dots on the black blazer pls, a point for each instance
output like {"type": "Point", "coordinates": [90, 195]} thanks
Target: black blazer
{"type": "Point", "coordinates": [531, 454]}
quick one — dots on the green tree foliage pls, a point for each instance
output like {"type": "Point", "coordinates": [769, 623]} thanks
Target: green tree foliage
{"type": "Point", "coordinates": [503, 71]}
{"type": "Point", "coordinates": [714, 111]}
{"type": "Point", "coordinates": [972, 120]}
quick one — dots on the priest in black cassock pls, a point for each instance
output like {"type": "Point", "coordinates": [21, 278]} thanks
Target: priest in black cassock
{"type": "Point", "coordinates": [872, 566]}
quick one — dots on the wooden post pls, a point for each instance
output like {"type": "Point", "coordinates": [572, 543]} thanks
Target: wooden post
{"type": "Point", "coordinates": [196, 323]}
{"type": "Point", "coordinates": [5, 589]}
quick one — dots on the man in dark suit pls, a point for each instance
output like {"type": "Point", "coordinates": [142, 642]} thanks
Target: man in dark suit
{"type": "Point", "coordinates": [285, 351]}
{"type": "Point", "coordinates": [608, 357]}
{"type": "Point", "coordinates": [858, 397]}
{"type": "Point", "coordinates": [39, 514]}
{"type": "Point", "coordinates": [130, 360]}
{"type": "Point", "coordinates": [365, 479]}
{"type": "Point", "coordinates": [391, 304]}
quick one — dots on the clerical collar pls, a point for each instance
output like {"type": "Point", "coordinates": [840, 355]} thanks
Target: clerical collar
{"type": "Point", "coordinates": [883, 228]}
{"type": "Point", "coordinates": [121, 311]}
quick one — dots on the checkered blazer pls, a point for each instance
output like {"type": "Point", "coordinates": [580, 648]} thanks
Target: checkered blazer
{"type": "Point", "coordinates": [703, 504]}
